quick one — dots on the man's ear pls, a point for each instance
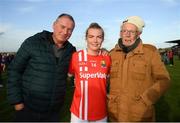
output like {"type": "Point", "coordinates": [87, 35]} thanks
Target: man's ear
{"type": "Point", "coordinates": [138, 35]}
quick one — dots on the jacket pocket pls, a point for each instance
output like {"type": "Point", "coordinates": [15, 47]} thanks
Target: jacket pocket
{"type": "Point", "coordinates": [112, 101]}
{"type": "Point", "coordinates": [114, 68]}
{"type": "Point", "coordinates": [140, 111]}
{"type": "Point", "coordinates": [138, 70]}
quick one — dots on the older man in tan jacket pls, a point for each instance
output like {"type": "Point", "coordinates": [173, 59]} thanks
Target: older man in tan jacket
{"type": "Point", "coordinates": [138, 77]}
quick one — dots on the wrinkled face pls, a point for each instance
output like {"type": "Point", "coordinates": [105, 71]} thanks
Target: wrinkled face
{"type": "Point", "coordinates": [62, 29]}
{"type": "Point", "coordinates": [94, 39]}
{"type": "Point", "coordinates": [129, 33]}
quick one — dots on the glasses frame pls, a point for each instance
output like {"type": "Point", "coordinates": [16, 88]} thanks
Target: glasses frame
{"type": "Point", "coordinates": [131, 32]}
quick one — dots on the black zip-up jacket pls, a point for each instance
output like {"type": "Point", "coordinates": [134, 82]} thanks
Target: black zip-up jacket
{"type": "Point", "coordinates": [36, 77]}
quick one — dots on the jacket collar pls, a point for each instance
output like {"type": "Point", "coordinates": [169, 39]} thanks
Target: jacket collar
{"type": "Point", "coordinates": [137, 50]}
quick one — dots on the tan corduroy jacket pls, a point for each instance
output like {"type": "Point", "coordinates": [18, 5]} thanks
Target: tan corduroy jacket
{"type": "Point", "coordinates": [137, 80]}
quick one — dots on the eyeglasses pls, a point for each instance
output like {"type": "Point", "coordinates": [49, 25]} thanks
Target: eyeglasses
{"type": "Point", "coordinates": [129, 31]}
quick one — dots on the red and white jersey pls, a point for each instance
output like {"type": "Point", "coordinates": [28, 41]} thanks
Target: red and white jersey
{"type": "Point", "coordinates": [89, 101]}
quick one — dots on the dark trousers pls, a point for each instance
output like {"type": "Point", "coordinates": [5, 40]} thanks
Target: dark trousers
{"type": "Point", "coordinates": [171, 61]}
{"type": "Point", "coordinates": [1, 81]}
{"type": "Point", "coordinates": [27, 115]}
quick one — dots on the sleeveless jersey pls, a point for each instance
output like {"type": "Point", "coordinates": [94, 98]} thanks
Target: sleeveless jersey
{"type": "Point", "coordinates": [89, 101]}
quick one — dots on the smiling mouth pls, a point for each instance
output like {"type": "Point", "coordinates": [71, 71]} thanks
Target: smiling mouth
{"type": "Point", "coordinates": [95, 45]}
{"type": "Point", "coordinates": [129, 41]}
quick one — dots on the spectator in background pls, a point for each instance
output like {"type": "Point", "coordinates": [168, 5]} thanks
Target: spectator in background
{"type": "Point", "coordinates": [2, 68]}
{"type": "Point", "coordinates": [178, 52]}
{"type": "Point", "coordinates": [138, 77]}
{"type": "Point", "coordinates": [1, 81]}
{"type": "Point", "coordinates": [1, 85]}
{"type": "Point", "coordinates": [165, 58]}
{"type": "Point", "coordinates": [171, 57]}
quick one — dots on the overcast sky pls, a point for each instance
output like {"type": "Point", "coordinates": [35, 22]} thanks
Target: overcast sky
{"type": "Point", "coordinates": [20, 19]}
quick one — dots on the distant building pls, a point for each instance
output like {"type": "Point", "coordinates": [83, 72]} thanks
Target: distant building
{"type": "Point", "coordinates": [174, 41]}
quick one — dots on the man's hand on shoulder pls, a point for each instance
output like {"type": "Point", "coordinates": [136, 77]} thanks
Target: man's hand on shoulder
{"type": "Point", "coordinates": [19, 106]}
{"type": "Point", "coordinates": [104, 52]}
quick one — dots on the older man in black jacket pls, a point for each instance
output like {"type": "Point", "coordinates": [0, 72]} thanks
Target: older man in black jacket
{"type": "Point", "coordinates": [37, 75]}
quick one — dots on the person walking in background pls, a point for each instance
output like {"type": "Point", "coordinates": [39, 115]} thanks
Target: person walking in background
{"type": "Point", "coordinates": [170, 57]}
{"type": "Point", "coordinates": [37, 75]}
{"type": "Point", "coordinates": [165, 58]}
{"type": "Point", "coordinates": [1, 83]}
{"type": "Point", "coordinates": [138, 77]}
{"type": "Point", "coordinates": [91, 70]}
{"type": "Point", "coordinates": [2, 69]}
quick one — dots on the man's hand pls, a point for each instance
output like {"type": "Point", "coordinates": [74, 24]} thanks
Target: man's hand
{"type": "Point", "coordinates": [19, 106]}
{"type": "Point", "coordinates": [3, 67]}
{"type": "Point", "coordinates": [104, 52]}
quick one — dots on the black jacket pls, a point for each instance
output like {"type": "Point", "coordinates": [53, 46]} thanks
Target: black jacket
{"type": "Point", "coordinates": [36, 77]}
